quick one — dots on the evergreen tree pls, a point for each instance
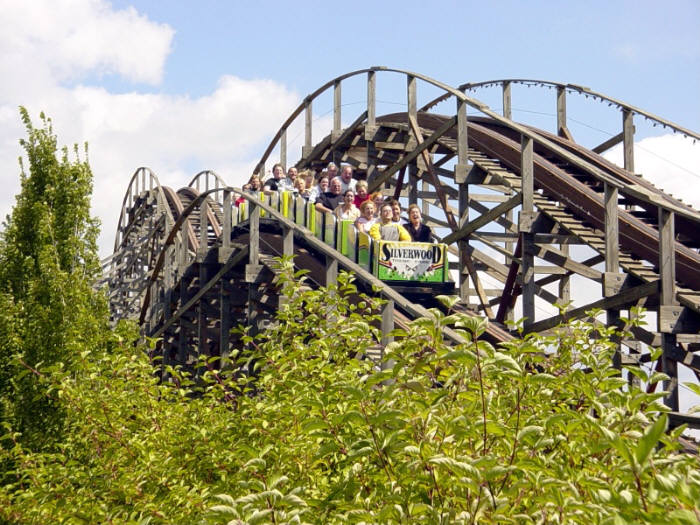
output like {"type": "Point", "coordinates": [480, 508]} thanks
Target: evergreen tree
{"type": "Point", "coordinates": [48, 262]}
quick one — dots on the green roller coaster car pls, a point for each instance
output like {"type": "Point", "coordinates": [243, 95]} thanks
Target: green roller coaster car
{"type": "Point", "coordinates": [404, 264]}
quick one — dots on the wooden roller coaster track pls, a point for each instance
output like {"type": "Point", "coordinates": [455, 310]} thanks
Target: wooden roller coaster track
{"type": "Point", "coordinates": [188, 269]}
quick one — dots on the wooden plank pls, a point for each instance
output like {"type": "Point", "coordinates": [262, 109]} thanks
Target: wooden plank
{"type": "Point", "coordinates": [624, 298]}
{"type": "Point", "coordinates": [612, 229]}
{"type": "Point", "coordinates": [233, 261]}
{"type": "Point", "coordinates": [606, 145]}
{"type": "Point", "coordinates": [483, 219]}
{"type": "Point", "coordinates": [387, 173]}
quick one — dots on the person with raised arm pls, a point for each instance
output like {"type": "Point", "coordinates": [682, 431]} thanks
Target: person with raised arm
{"type": "Point", "coordinates": [386, 229]}
{"type": "Point", "coordinates": [418, 231]}
{"type": "Point", "coordinates": [347, 211]}
{"type": "Point", "coordinates": [366, 218]}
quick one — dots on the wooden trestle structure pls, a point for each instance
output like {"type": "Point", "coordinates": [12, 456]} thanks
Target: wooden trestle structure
{"type": "Point", "coordinates": [520, 207]}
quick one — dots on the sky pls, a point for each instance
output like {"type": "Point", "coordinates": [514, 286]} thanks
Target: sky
{"type": "Point", "coordinates": [182, 87]}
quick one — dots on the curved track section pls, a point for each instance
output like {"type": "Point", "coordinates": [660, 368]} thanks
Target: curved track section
{"type": "Point", "coordinates": [537, 226]}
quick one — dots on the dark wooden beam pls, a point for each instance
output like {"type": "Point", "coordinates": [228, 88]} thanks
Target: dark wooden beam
{"type": "Point", "coordinates": [624, 298]}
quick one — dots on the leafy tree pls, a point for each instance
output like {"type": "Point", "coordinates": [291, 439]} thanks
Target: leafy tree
{"type": "Point", "coordinates": [48, 263]}
{"type": "Point", "coordinates": [541, 430]}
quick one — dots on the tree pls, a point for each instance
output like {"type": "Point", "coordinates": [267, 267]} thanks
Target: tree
{"type": "Point", "coordinates": [48, 264]}
{"type": "Point", "coordinates": [541, 430]}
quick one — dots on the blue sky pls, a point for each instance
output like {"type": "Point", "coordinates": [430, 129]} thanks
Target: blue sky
{"type": "Point", "coordinates": [183, 86]}
{"type": "Point", "coordinates": [646, 52]}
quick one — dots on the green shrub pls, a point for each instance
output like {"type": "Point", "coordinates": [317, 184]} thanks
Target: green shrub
{"type": "Point", "coordinates": [541, 430]}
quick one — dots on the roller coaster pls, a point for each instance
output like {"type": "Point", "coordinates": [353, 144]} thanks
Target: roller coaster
{"type": "Point", "coordinates": [522, 213]}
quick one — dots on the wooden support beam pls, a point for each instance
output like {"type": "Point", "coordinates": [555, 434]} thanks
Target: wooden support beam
{"type": "Point", "coordinates": [483, 219]}
{"type": "Point", "coordinates": [462, 245]}
{"type": "Point", "coordinates": [331, 271]}
{"type": "Point", "coordinates": [389, 172]}
{"type": "Point", "coordinates": [254, 236]}
{"type": "Point", "coordinates": [308, 126]}
{"type": "Point", "coordinates": [340, 138]}
{"type": "Point", "coordinates": [527, 175]}
{"type": "Point", "coordinates": [508, 296]}
{"type": "Point", "coordinates": [606, 145]}
{"type": "Point", "coordinates": [507, 108]}
{"type": "Point", "coordinates": [562, 129]}
{"type": "Point", "coordinates": [667, 272]}
{"type": "Point", "coordinates": [236, 258]}
{"type": "Point", "coordinates": [612, 230]}
{"type": "Point", "coordinates": [462, 167]}
{"type": "Point", "coordinates": [411, 97]}
{"type": "Point", "coordinates": [628, 139]}
{"type": "Point", "coordinates": [283, 148]}
{"type": "Point", "coordinates": [436, 181]}
{"type": "Point", "coordinates": [337, 107]}
{"type": "Point", "coordinates": [371, 101]}
{"type": "Point", "coordinates": [624, 298]}
{"type": "Point", "coordinates": [466, 259]}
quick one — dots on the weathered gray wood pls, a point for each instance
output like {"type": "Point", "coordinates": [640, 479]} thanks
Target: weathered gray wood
{"type": "Point", "coordinates": [412, 185]}
{"type": "Point", "coordinates": [507, 111]}
{"type": "Point", "coordinates": [308, 126]}
{"type": "Point", "coordinates": [670, 367]}
{"type": "Point", "coordinates": [674, 319]}
{"type": "Point", "coordinates": [612, 230]}
{"type": "Point", "coordinates": [667, 251]}
{"type": "Point", "coordinates": [387, 324]}
{"type": "Point", "coordinates": [628, 139]}
{"type": "Point", "coordinates": [606, 145]}
{"type": "Point", "coordinates": [203, 289]}
{"type": "Point", "coordinates": [254, 228]}
{"type": "Point", "coordinates": [463, 245]}
{"type": "Point", "coordinates": [283, 148]}
{"type": "Point", "coordinates": [411, 96]}
{"type": "Point", "coordinates": [527, 267]}
{"type": "Point", "coordinates": [462, 167]}
{"type": "Point", "coordinates": [483, 219]}
{"type": "Point", "coordinates": [624, 298]}
{"type": "Point", "coordinates": [612, 260]}
{"type": "Point", "coordinates": [331, 271]}
{"type": "Point", "coordinates": [410, 157]}
{"type": "Point", "coordinates": [203, 228]}
{"type": "Point", "coordinates": [225, 318]}
{"type": "Point", "coordinates": [288, 242]}
{"type": "Point", "coordinates": [371, 102]}
{"type": "Point", "coordinates": [337, 106]}
{"type": "Point", "coordinates": [562, 129]}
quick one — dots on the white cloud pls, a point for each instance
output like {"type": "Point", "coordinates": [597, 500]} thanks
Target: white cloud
{"type": "Point", "coordinates": [48, 48]}
{"type": "Point", "coordinates": [670, 162]}
{"type": "Point", "coordinates": [65, 39]}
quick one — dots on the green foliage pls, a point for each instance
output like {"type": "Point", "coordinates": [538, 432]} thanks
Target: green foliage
{"type": "Point", "coordinates": [541, 430]}
{"type": "Point", "coordinates": [48, 262]}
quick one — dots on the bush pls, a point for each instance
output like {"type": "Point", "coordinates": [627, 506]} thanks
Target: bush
{"type": "Point", "coordinates": [541, 430]}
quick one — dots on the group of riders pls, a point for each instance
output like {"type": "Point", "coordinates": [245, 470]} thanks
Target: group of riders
{"type": "Point", "coordinates": [338, 192]}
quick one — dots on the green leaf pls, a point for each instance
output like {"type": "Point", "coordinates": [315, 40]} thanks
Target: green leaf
{"type": "Point", "coordinates": [694, 387]}
{"type": "Point", "coordinates": [650, 438]}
